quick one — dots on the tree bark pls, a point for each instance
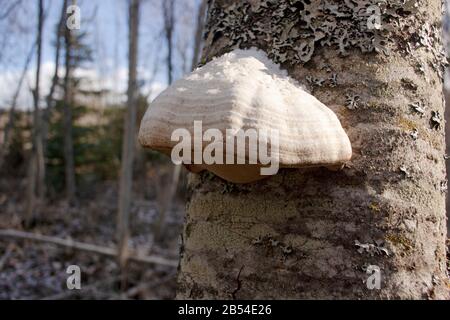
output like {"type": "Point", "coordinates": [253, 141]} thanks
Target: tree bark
{"type": "Point", "coordinates": [313, 233]}
{"type": "Point", "coordinates": [68, 105]}
{"type": "Point", "coordinates": [447, 143]}
{"type": "Point", "coordinates": [128, 147]}
{"type": "Point", "coordinates": [446, 36]}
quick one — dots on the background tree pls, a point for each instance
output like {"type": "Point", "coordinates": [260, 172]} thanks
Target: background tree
{"type": "Point", "coordinates": [68, 119]}
{"type": "Point", "coordinates": [169, 191]}
{"type": "Point", "coordinates": [36, 171]}
{"type": "Point", "coordinates": [17, 21]}
{"type": "Point", "coordinates": [55, 79]}
{"type": "Point", "coordinates": [313, 233]}
{"type": "Point", "coordinates": [39, 147]}
{"type": "Point", "coordinates": [12, 110]}
{"type": "Point", "coordinates": [169, 26]}
{"type": "Point", "coordinates": [129, 144]}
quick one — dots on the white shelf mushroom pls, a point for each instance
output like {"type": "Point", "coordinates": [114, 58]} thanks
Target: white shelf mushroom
{"type": "Point", "coordinates": [225, 102]}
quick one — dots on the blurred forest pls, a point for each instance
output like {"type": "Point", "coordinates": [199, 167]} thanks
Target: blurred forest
{"type": "Point", "coordinates": [75, 186]}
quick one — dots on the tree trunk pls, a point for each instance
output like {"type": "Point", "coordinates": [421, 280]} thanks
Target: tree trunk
{"type": "Point", "coordinates": [68, 104]}
{"type": "Point", "coordinates": [315, 233]}
{"type": "Point", "coordinates": [30, 190]}
{"type": "Point", "coordinates": [128, 147]}
{"type": "Point", "coordinates": [50, 97]}
{"type": "Point", "coordinates": [36, 170]}
{"type": "Point", "coordinates": [169, 22]}
{"type": "Point", "coordinates": [39, 148]}
{"type": "Point", "coordinates": [169, 190]}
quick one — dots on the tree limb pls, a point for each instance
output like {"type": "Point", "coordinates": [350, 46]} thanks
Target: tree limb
{"type": "Point", "coordinates": [69, 243]}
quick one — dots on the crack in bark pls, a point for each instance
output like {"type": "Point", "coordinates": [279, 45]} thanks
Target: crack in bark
{"type": "Point", "coordinates": [239, 284]}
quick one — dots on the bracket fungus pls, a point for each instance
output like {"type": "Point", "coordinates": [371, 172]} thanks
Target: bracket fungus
{"type": "Point", "coordinates": [241, 117]}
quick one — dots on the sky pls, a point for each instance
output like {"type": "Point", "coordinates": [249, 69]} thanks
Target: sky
{"type": "Point", "coordinates": [106, 23]}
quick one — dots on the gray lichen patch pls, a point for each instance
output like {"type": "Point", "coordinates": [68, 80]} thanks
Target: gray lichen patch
{"type": "Point", "coordinates": [293, 30]}
{"type": "Point", "coordinates": [429, 38]}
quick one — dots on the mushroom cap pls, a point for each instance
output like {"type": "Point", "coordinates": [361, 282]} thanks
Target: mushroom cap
{"type": "Point", "coordinates": [244, 90]}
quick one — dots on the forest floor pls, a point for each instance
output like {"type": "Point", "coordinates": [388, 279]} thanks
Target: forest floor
{"type": "Point", "coordinates": [32, 270]}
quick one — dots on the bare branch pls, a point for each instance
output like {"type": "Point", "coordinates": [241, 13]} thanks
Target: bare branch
{"type": "Point", "coordinates": [10, 125]}
{"type": "Point", "coordinates": [10, 9]}
{"type": "Point", "coordinates": [82, 246]}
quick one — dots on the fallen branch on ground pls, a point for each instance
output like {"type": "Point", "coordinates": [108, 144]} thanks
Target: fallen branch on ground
{"type": "Point", "coordinates": [136, 290]}
{"type": "Point", "coordinates": [69, 243]}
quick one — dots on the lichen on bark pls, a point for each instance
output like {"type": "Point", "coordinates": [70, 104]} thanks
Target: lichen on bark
{"type": "Point", "coordinates": [312, 233]}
